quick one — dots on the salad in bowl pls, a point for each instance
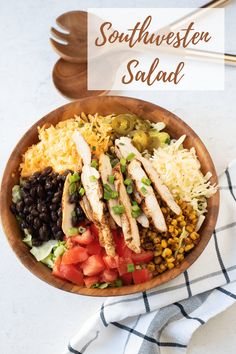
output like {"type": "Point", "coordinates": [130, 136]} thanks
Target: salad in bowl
{"type": "Point", "coordinates": [107, 201]}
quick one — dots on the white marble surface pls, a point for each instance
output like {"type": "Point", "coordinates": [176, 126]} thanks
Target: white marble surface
{"type": "Point", "coordinates": [34, 317]}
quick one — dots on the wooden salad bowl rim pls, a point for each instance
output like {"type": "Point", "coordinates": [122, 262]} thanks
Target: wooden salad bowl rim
{"type": "Point", "coordinates": [105, 105]}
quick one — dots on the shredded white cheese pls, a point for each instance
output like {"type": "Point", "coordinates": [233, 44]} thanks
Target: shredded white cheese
{"type": "Point", "coordinates": [179, 169]}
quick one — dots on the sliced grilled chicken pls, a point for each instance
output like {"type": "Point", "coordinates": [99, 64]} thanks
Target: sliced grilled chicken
{"type": "Point", "coordinates": [149, 203]}
{"type": "Point", "coordinates": [126, 147]}
{"type": "Point", "coordinates": [90, 179]}
{"type": "Point", "coordinates": [67, 207]}
{"type": "Point", "coordinates": [84, 203]}
{"type": "Point", "coordinates": [128, 223]}
{"type": "Point", "coordinates": [105, 169]}
{"type": "Point", "coordinates": [143, 220]}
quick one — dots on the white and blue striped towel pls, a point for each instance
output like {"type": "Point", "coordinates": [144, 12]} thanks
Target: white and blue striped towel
{"type": "Point", "coordinates": [162, 320]}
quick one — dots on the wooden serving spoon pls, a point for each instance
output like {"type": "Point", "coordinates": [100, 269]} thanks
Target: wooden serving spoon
{"type": "Point", "coordinates": [71, 80]}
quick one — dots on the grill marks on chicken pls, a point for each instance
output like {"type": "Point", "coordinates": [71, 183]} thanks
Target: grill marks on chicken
{"type": "Point", "coordinates": [149, 202]}
{"type": "Point", "coordinates": [128, 223]}
{"type": "Point", "coordinates": [90, 179]}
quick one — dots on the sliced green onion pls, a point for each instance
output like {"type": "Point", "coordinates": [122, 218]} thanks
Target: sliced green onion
{"type": "Point", "coordinates": [135, 211]}
{"type": "Point", "coordinates": [73, 213]}
{"type": "Point", "coordinates": [146, 181]}
{"type": "Point", "coordinates": [143, 190]}
{"type": "Point", "coordinates": [118, 283]}
{"type": "Point", "coordinates": [107, 187]}
{"type": "Point", "coordinates": [127, 181]}
{"type": "Point", "coordinates": [122, 161]}
{"type": "Point", "coordinates": [81, 229]}
{"type": "Point", "coordinates": [118, 209]}
{"type": "Point", "coordinates": [94, 164]}
{"type": "Point", "coordinates": [106, 195]}
{"type": "Point", "coordinates": [134, 202]}
{"type": "Point", "coordinates": [72, 188]}
{"type": "Point", "coordinates": [111, 179]}
{"type": "Point", "coordinates": [73, 231]}
{"type": "Point", "coordinates": [74, 178]}
{"type": "Point", "coordinates": [130, 268]}
{"type": "Point", "coordinates": [130, 156]}
{"type": "Point", "coordinates": [93, 178]}
{"type": "Point", "coordinates": [129, 189]}
{"type": "Point", "coordinates": [114, 162]}
{"type": "Point", "coordinates": [114, 194]}
{"type": "Point", "coordinates": [81, 191]}
{"type": "Point", "coordinates": [94, 148]}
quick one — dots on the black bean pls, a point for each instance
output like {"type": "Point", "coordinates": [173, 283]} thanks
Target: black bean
{"type": "Point", "coordinates": [55, 229]}
{"type": "Point", "coordinates": [44, 217]}
{"type": "Point", "coordinates": [59, 223]}
{"type": "Point", "coordinates": [13, 208]}
{"type": "Point", "coordinates": [27, 186]}
{"type": "Point", "coordinates": [37, 223]}
{"type": "Point", "coordinates": [79, 210]}
{"type": "Point", "coordinates": [33, 192]}
{"type": "Point", "coordinates": [59, 235]}
{"type": "Point", "coordinates": [53, 207]}
{"type": "Point", "coordinates": [80, 218]}
{"type": "Point", "coordinates": [36, 175]}
{"type": "Point", "coordinates": [58, 194]}
{"type": "Point", "coordinates": [26, 210]}
{"type": "Point", "coordinates": [36, 242]}
{"type": "Point", "coordinates": [59, 212]}
{"type": "Point", "coordinates": [41, 207]}
{"type": "Point", "coordinates": [23, 225]}
{"type": "Point", "coordinates": [74, 221]}
{"type": "Point", "coordinates": [30, 219]}
{"type": "Point", "coordinates": [73, 198]}
{"type": "Point", "coordinates": [20, 206]}
{"type": "Point", "coordinates": [54, 216]}
{"type": "Point", "coordinates": [48, 185]}
{"type": "Point", "coordinates": [55, 200]}
{"type": "Point", "coordinates": [28, 201]}
{"type": "Point", "coordinates": [34, 212]}
{"type": "Point", "coordinates": [47, 171]}
{"type": "Point", "coordinates": [40, 192]}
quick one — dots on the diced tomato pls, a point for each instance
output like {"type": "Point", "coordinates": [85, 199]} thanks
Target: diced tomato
{"type": "Point", "coordinates": [56, 268]}
{"type": "Point", "coordinates": [72, 273]}
{"type": "Point", "coordinates": [94, 230]}
{"type": "Point", "coordinates": [143, 257]}
{"type": "Point", "coordinates": [110, 262]}
{"type": "Point", "coordinates": [89, 281]}
{"type": "Point", "coordinates": [109, 275]}
{"type": "Point", "coordinates": [141, 275]}
{"type": "Point", "coordinates": [122, 264]}
{"type": "Point", "coordinates": [93, 265]}
{"type": "Point", "coordinates": [69, 242]}
{"type": "Point", "coordinates": [74, 255]}
{"type": "Point", "coordinates": [85, 238]}
{"type": "Point", "coordinates": [94, 247]}
{"type": "Point", "coordinates": [127, 278]}
{"type": "Point", "coordinates": [120, 245]}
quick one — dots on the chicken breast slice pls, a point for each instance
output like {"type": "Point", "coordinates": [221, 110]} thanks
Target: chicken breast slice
{"type": "Point", "coordinates": [84, 203]}
{"type": "Point", "coordinates": [128, 223]}
{"type": "Point", "coordinates": [126, 147]}
{"type": "Point", "coordinates": [82, 147]}
{"type": "Point", "coordinates": [105, 169]}
{"type": "Point", "coordinates": [149, 203]}
{"type": "Point", "coordinates": [90, 179]}
{"type": "Point", "coordinates": [67, 207]}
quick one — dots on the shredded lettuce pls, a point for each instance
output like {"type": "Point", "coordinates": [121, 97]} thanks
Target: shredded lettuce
{"type": "Point", "coordinates": [48, 252]}
{"type": "Point", "coordinates": [16, 193]}
{"type": "Point", "coordinates": [28, 238]}
{"type": "Point", "coordinates": [43, 251]}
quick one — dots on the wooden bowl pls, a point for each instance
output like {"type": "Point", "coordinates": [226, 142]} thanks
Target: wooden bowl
{"type": "Point", "coordinates": [105, 105]}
